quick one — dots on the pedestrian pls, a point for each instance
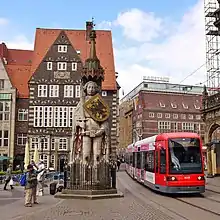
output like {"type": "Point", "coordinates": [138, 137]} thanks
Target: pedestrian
{"type": "Point", "coordinates": [40, 178]}
{"type": "Point", "coordinates": [118, 163]}
{"type": "Point", "coordinates": [31, 186]}
{"type": "Point", "coordinates": [8, 177]}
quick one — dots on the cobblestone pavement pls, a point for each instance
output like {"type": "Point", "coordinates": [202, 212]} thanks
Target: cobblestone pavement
{"type": "Point", "coordinates": [111, 209]}
{"type": "Point", "coordinates": [10, 196]}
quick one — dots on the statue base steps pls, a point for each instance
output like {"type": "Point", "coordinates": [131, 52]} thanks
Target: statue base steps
{"type": "Point", "coordinates": [89, 194]}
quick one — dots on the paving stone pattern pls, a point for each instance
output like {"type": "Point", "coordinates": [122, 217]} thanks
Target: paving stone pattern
{"type": "Point", "coordinates": [111, 209]}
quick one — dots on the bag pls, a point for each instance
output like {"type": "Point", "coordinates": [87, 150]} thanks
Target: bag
{"type": "Point", "coordinates": [23, 180]}
{"type": "Point", "coordinates": [11, 182]}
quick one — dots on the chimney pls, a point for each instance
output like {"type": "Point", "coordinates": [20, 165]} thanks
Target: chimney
{"type": "Point", "coordinates": [89, 28]}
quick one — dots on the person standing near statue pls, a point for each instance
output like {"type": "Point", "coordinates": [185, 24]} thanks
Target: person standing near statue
{"type": "Point", "coordinates": [40, 178]}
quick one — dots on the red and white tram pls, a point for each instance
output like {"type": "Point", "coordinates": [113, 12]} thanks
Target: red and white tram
{"type": "Point", "coordinates": [168, 162]}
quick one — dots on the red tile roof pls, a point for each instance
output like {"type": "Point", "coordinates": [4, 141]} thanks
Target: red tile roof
{"type": "Point", "coordinates": [152, 101]}
{"type": "Point", "coordinates": [44, 38]}
{"type": "Point", "coordinates": [22, 63]}
{"type": "Point", "coordinates": [19, 76]}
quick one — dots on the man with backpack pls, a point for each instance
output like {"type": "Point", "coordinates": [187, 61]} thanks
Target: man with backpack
{"type": "Point", "coordinates": [30, 183]}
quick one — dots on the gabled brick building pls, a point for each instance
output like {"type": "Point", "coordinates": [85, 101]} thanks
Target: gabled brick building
{"type": "Point", "coordinates": [155, 107]}
{"type": "Point", "coordinates": [47, 82]}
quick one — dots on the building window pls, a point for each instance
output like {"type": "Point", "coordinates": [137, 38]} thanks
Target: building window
{"type": "Point", "coordinates": [68, 91]}
{"type": "Point", "coordinates": [74, 66]}
{"type": "Point", "coordinates": [198, 117]}
{"type": "Point", "coordinates": [44, 157]}
{"type": "Point", "coordinates": [187, 126]}
{"type": "Point", "coordinates": [62, 48]}
{"type": "Point", "coordinates": [34, 143]}
{"type": "Point", "coordinates": [77, 91]}
{"type": "Point", "coordinates": [185, 106]}
{"type": "Point", "coordinates": [42, 90]}
{"type": "Point", "coordinates": [78, 52]}
{"type": "Point", "coordinates": [2, 84]}
{"type": "Point", "coordinates": [183, 116]}
{"type": "Point", "coordinates": [49, 65]}
{"type": "Point", "coordinates": [175, 116]}
{"type": "Point", "coordinates": [21, 139]}
{"type": "Point", "coordinates": [173, 105]}
{"type": "Point", "coordinates": [38, 116]}
{"type": "Point", "coordinates": [174, 126]}
{"type": "Point", "coordinates": [191, 117]}
{"type": "Point", "coordinates": [71, 116]}
{"type": "Point", "coordinates": [164, 125]}
{"type": "Point", "coordinates": [44, 144]}
{"type": "Point", "coordinates": [52, 161]}
{"type": "Point", "coordinates": [61, 66]}
{"type": "Point", "coordinates": [4, 111]}
{"type": "Point", "coordinates": [48, 116]}
{"type": "Point", "coordinates": [22, 114]}
{"type": "Point", "coordinates": [196, 106]}
{"type": "Point", "coordinates": [162, 105]}
{"type": "Point", "coordinates": [159, 115]}
{"type": "Point", "coordinates": [151, 115]}
{"type": "Point", "coordinates": [61, 117]}
{"type": "Point", "coordinates": [167, 115]}
{"type": "Point", "coordinates": [104, 93]}
{"type": "Point", "coordinates": [4, 136]}
{"type": "Point", "coordinates": [54, 91]}
{"type": "Point", "coordinates": [63, 144]}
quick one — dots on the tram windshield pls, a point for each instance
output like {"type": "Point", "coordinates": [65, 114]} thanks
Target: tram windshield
{"type": "Point", "coordinates": [185, 156]}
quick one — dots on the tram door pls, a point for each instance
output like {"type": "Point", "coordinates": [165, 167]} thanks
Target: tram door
{"type": "Point", "coordinates": [157, 162]}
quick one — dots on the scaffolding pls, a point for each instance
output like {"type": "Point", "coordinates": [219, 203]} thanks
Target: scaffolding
{"type": "Point", "coordinates": [212, 46]}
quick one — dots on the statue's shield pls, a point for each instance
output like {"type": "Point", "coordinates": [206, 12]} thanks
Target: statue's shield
{"type": "Point", "coordinates": [97, 108]}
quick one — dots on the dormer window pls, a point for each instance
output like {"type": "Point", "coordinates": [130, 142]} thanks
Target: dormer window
{"type": "Point", "coordinates": [162, 105]}
{"type": "Point", "coordinates": [173, 105]}
{"type": "Point", "coordinates": [61, 66]}
{"type": "Point", "coordinates": [49, 65]}
{"type": "Point", "coordinates": [74, 66]}
{"type": "Point", "coordinates": [185, 106]}
{"type": "Point", "coordinates": [196, 105]}
{"type": "Point", "coordinates": [62, 48]}
{"type": "Point", "coordinates": [78, 52]}
{"type": "Point", "coordinates": [104, 93]}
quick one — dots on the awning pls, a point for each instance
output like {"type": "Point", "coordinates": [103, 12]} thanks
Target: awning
{"type": "Point", "coordinates": [4, 158]}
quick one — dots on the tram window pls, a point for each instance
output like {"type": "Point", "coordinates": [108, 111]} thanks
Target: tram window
{"type": "Point", "coordinates": [133, 160]}
{"type": "Point", "coordinates": [156, 162]}
{"type": "Point", "coordinates": [162, 161]}
{"type": "Point", "coordinates": [130, 158]}
{"type": "Point", "coordinates": [139, 160]}
{"type": "Point", "coordinates": [149, 161]}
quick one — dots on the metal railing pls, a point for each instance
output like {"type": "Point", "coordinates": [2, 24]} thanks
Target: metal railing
{"type": "Point", "coordinates": [89, 177]}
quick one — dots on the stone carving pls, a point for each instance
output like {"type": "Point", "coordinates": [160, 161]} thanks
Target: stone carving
{"type": "Point", "coordinates": [61, 75]}
{"type": "Point", "coordinates": [91, 126]}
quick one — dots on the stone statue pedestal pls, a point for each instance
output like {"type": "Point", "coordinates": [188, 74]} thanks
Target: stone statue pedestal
{"type": "Point", "coordinates": [90, 182]}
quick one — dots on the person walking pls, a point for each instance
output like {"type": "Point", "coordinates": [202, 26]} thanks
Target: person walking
{"type": "Point", "coordinates": [118, 163]}
{"type": "Point", "coordinates": [8, 177]}
{"type": "Point", "coordinates": [31, 186]}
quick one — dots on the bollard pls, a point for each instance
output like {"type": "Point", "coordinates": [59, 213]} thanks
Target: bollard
{"type": "Point", "coordinates": [113, 174]}
{"type": "Point", "coordinates": [65, 178]}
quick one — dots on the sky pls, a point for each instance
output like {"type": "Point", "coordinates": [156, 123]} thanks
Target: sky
{"type": "Point", "coordinates": [150, 37]}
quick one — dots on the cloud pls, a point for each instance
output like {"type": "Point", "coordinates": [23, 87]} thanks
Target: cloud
{"type": "Point", "coordinates": [138, 25]}
{"type": "Point", "coordinates": [160, 47]}
{"type": "Point", "coordinates": [20, 42]}
{"type": "Point", "coordinates": [3, 21]}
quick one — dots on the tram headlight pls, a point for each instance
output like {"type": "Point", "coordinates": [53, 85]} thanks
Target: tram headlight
{"type": "Point", "coordinates": [201, 178]}
{"type": "Point", "coordinates": [171, 178]}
